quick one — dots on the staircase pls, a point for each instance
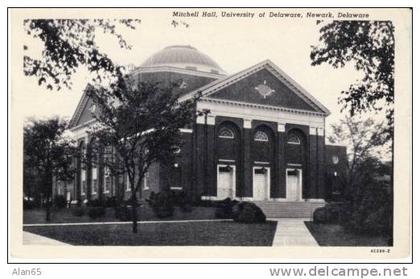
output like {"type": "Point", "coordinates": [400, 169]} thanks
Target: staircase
{"type": "Point", "coordinates": [285, 209]}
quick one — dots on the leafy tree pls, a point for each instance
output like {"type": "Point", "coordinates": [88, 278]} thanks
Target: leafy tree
{"type": "Point", "coordinates": [366, 143]}
{"type": "Point", "coordinates": [369, 46]}
{"type": "Point", "coordinates": [48, 153]}
{"type": "Point", "coordinates": [140, 122]}
{"type": "Point", "coordinates": [69, 44]}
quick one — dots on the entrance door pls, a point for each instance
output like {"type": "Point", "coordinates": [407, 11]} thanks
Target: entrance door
{"type": "Point", "coordinates": [261, 183]}
{"type": "Point", "coordinates": [293, 186]}
{"type": "Point", "coordinates": [225, 181]}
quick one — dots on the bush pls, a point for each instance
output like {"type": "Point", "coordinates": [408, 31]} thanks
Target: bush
{"type": "Point", "coordinates": [95, 203]}
{"type": "Point", "coordinates": [162, 203]}
{"type": "Point", "coordinates": [123, 213]}
{"type": "Point", "coordinates": [28, 203]}
{"type": "Point", "coordinates": [247, 212]}
{"type": "Point", "coordinates": [96, 212]}
{"type": "Point", "coordinates": [330, 214]}
{"type": "Point", "coordinates": [182, 200]}
{"type": "Point", "coordinates": [60, 201]}
{"type": "Point", "coordinates": [372, 212]}
{"type": "Point", "coordinates": [110, 202]}
{"type": "Point", "coordinates": [78, 211]}
{"type": "Point", "coordinates": [224, 208]}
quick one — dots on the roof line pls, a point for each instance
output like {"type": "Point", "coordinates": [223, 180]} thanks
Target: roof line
{"type": "Point", "coordinates": [289, 82]}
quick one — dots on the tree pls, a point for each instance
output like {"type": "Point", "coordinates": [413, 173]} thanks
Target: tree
{"type": "Point", "coordinates": [369, 46]}
{"type": "Point", "coordinates": [48, 153]}
{"type": "Point", "coordinates": [140, 122]}
{"type": "Point", "coordinates": [69, 44]}
{"type": "Point", "coordinates": [367, 143]}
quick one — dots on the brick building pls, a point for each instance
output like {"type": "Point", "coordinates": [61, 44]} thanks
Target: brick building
{"type": "Point", "coordinates": [259, 137]}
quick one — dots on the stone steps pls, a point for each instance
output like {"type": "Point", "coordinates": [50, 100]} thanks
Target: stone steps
{"type": "Point", "coordinates": [285, 209]}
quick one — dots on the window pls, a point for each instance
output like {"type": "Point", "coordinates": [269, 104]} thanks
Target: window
{"type": "Point", "coordinates": [59, 187]}
{"type": "Point", "coordinates": [107, 180]}
{"type": "Point", "coordinates": [146, 181]}
{"type": "Point", "coordinates": [83, 179]}
{"type": "Point", "coordinates": [94, 180]}
{"type": "Point", "coordinates": [127, 183]}
{"type": "Point", "coordinates": [226, 133]}
{"type": "Point", "coordinates": [260, 136]}
{"type": "Point", "coordinates": [293, 139]}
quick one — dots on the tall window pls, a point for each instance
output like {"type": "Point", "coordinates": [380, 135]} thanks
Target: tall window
{"type": "Point", "coordinates": [94, 180]}
{"type": "Point", "coordinates": [107, 180]}
{"type": "Point", "coordinates": [146, 181]}
{"type": "Point", "coordinates": [260, 136]}
{"type": "Point", "coordinates": [226, 133]}
{"type": "Point", "coordinates": [59, 187]}
{"type": "Point", "coordinates": [127, 183]}
{"type": "Point", "coordinates": [83, 179]}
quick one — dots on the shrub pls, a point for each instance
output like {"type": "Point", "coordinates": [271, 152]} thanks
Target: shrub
{"type": "Point", "coordinates": [181, 199]}
{"type": "Point", "coordinates": [330, 214]}
{"type": "Point", "coordinates": [372, 212]}
{"type": "Point", "coordinates": [247, 212]}
{"type": "Point", "coordinates": [187, 208]}
{"type": "Point", "coordinates": [123, 213]}
{"type": "Point", "coordinates": [162, 203]}
{"type": "Point", "coordinates": [225, 208]}
{"type": "Point", "coordinates": [110, 202]}
{"type": "Point", "coordinates": [28, 204]}
{"type": "Point", "coordinates": [60, 201]}
{"type": "Point", "coordinates": [78, 211]}
{"type": "Point", "coordinates": [96, 212]}
{"type": "Point", "coordinates": [94, 203]}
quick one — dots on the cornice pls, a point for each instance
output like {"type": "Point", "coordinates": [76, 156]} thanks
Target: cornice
{"type": "Point", "coordinates": [260, 106]}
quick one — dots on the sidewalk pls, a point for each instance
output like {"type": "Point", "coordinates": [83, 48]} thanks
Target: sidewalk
{"type": "Point", "coordinates": [34, 239]}
{"type": "Point", "coordinates": [292, 232]}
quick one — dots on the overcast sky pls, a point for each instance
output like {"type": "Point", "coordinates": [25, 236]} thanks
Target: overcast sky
{"type": "Point", "coordinates": [233, 43]}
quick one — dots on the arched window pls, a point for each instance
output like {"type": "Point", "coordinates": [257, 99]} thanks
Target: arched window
{"type": "Point", "coordinates": [260, 136]}
{"type": "Point", "coordinates": [293, 139]}
{"type": "Point", "coordinates": [226, 133]}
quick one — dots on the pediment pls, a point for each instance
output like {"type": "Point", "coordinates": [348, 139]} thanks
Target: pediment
{"type": "Point", "coordinates": [83, 112]}
{"type": "Point", "coordinates": [262, 88]}
{"type": "Point", "coordinates": [263, 84]}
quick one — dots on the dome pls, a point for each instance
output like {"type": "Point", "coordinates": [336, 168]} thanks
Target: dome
{"type": "Point", "coordinates": [184, 57]}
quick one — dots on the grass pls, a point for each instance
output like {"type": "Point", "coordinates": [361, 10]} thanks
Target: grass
{"type": "Point", "coordinates": [219, 233]}
{"type": "Point", "coordinates": [37, 216]}
{"type": "Point", "coordinates": [336, 235]}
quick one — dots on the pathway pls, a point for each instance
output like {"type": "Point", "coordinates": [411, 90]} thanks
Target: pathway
{"type": "Point", "coordinates": [35, 239]}
{"type": "Point", "coordinates": [292, 232]}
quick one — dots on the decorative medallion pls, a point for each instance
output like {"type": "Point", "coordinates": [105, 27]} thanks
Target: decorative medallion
{"type": "Point", "coordinates": [93, 108]}
{"type": "Point", "coordinates": [183, 85]}
{"type": "Point", "coordinates": [264, 89]}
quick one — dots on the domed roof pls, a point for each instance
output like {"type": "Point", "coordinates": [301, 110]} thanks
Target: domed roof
{"type": "Point", "coordinates": [184, 57]}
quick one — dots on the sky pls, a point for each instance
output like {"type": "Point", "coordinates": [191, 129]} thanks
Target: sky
{"type": "Point", "coordinates": [234, 44]}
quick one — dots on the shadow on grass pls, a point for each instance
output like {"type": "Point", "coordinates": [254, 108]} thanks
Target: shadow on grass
{"type": "Point", "coordinates": [223, 233]}
{"type": "Point", "coordinates": [145, 213]}
{"type": "Point", "coordinates": [336, 235]}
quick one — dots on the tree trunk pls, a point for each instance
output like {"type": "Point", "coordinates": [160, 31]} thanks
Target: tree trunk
{"type": "Point", "coordinates": [48, 195]}
{"type": "Point", "coordinates": [48, 210]}
{"type": "Point", "coordinates": [134, 211]}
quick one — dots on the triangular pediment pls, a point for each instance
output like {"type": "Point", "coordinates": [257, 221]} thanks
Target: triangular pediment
{"type": "Point", "coordinates": [83, 112]}
{"type": "Point", "coordinates": [263, 84]}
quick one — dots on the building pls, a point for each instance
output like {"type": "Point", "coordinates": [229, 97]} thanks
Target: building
{"type": "Point", "coordinates": [258, 136]}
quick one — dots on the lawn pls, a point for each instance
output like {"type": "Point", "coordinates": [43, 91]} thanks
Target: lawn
{"type": "Point", "coordinates": [336, 235]}
{"type": "Point", "coordinates": [216, 233]}
{"type": "Point", "coordinates": [145, 213]}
